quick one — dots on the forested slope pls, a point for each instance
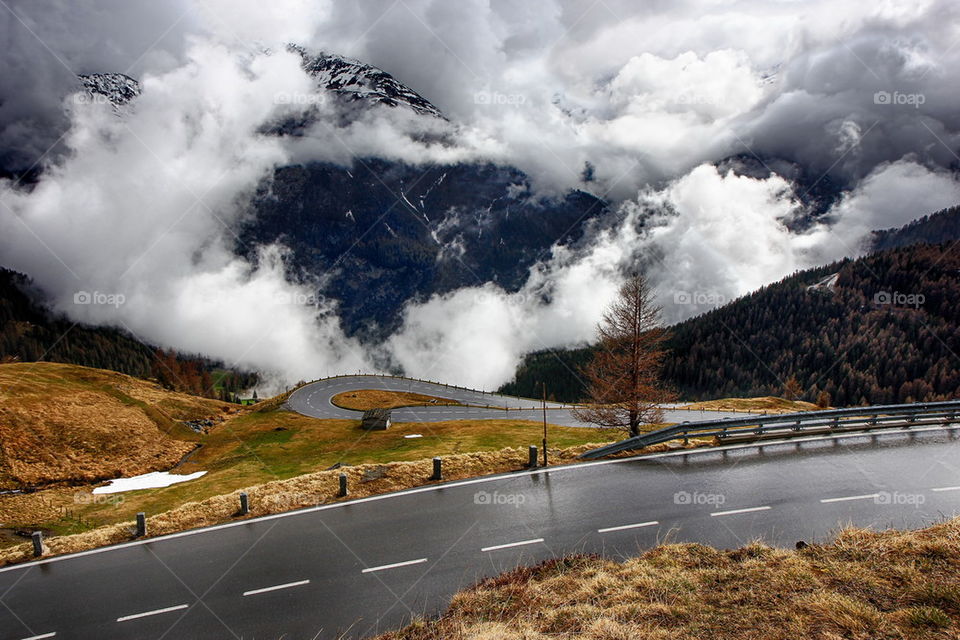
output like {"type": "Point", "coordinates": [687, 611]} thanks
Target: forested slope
{"type": "Point", "coordinates": [29, 332]}
{"type": "Point", "coordinates": [887, 331]}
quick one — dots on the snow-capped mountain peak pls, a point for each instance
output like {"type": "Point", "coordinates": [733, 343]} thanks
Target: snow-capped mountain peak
{"type": "Point", "coordinates": [358, 81]}
{"type": "Point", "coordinates": [350, 79]}
{"type": "Point", "coordinates": [116, 88]}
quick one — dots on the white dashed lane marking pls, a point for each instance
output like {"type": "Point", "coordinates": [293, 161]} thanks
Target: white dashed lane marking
{"type": "Point", "coordinates": [638, 525]}
{"type": "Point", "coordinates": [865, 496]}
{"type": "Point", "coordinates": [288, 585]}
{"type": "Point", "coordinates": [512, 544]}
{"type": "Point", "coordinates": [152, 613]}
{"type": "Point", "coordinates": [733, 512]}
{"type": "Point", "coordinates": [394, 565]}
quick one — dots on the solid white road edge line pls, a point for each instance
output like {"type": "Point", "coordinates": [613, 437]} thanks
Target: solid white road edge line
{"type": "Point", "coordinates": [394, 565]}
{"type": "Point", "coordinates": [512, 544]}
{"type": "Point", "coordinates": [452, 485]}
{"type": "Point", "coordinates": [152, 613]}
{"type": "Point", "coordinates": [865, 496]}
{"type": "Point", "coordinates": [288, 585]}
{"type": "Point", "coordinates": [732, 512]}
{"type": "Point", "coordinates": [652, 523]}
{"type": "Point", "coordinates": [938, 489]}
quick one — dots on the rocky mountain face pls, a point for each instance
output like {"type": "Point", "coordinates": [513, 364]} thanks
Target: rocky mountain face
{"type": "Point", "coordinates": [116, 88]}
{"type": "Point", "coordinates": [381, 233]}
{"type": "Point", "coordinates": [354, 81]}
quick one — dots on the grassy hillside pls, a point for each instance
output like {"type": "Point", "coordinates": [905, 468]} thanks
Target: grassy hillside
{"type": "Point", "coordinates": [363, 399]}
{"type": "Point", "coordinates": [866, 586]}
{"type": "Point", "coordinates": [276, 496]}
{"type": "Point", "coordinates": [64, 423]}
{"type": "Point", "coordinates": [68, 424]}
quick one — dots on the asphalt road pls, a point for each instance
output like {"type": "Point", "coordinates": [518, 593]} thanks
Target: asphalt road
{"type": "Point", "coordinates": [369, 565]}
{"type": "Point", "coordinates": [315, 400]}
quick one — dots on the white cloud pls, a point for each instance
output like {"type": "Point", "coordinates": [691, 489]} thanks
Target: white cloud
{"type": "Point", "coordinates": [652, 95]}
{"type": "Point", "coordinates": [143, 207]}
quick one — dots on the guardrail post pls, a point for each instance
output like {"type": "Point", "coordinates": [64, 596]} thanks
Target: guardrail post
{"type": "Point", "coordinates": [343, 486]}
{"type": "Point", "coordinates": [38, 549]}
{"type": "Point", "coordinates": [437, 469]}
{"type": "Point", "coordinates": [532, 462]}
{"type": "Point", "coordinates": [141, 524]}
{"type": "Point", "coordinates": [836, 423]}
{"type": "Point", "coordinates": [244, 503]}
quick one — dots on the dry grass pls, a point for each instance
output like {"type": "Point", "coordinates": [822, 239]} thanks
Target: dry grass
{"type": "Point", "coordinates": [301, 491]}
{"type": "Point", "coordinates": [64, 423]}
{"type": "Point", "coordinates": [863, 586]}
{"type": "Point", "coordinates": [364, 399]}
{"type": "Point", "coordinates": [264, 444]}
{"type": "Point", "coordinates": [768, 404]}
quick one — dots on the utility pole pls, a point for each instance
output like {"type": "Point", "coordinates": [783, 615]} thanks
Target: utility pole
{"type": "Point", "coordinates": [544, 423]}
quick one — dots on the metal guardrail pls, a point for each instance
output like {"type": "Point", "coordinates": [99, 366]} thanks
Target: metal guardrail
{"type": "Point", "coordinates": [788, 424]}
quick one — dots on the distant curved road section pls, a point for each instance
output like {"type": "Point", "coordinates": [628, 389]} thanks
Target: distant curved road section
{"type": "Point", "coordinates": [316, 400]}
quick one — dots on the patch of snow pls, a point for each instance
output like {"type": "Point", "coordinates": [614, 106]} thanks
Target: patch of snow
{"type": "Point", "coordinates": [828, 283]}
{"type": "Point", "coordinates": [405, 199]}
{"type": "Point", "coordinates": [355, 80]}
{"type": "Point", "coordinates": [154, 480]}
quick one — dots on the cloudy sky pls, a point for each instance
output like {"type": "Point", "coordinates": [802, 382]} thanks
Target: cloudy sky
{"type": "Point", "coordinates": [653, 95]}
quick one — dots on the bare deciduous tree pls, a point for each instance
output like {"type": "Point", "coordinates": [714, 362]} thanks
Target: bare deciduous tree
{"type": "Point", "coordinates": [624, 389]}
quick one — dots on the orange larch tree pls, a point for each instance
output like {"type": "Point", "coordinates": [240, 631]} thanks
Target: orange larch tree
{"type": "Point", "coordinates": [624, 388]}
